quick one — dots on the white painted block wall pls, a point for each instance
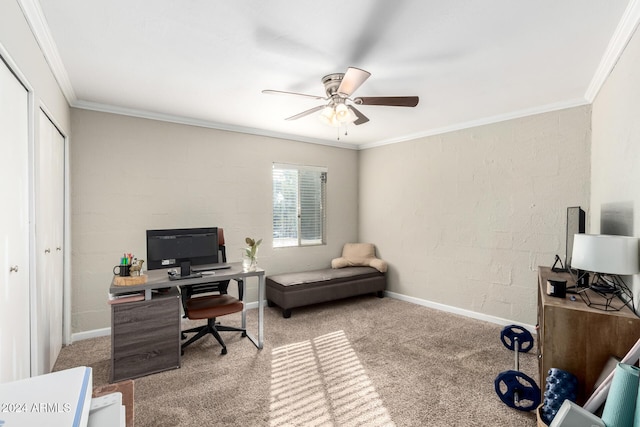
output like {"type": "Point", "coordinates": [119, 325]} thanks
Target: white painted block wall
{"type": "Point", "coordinates": [465, 218]}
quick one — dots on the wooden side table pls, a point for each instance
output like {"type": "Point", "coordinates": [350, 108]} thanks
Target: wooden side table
{"type": "Point", "coordinates": [577, 338]}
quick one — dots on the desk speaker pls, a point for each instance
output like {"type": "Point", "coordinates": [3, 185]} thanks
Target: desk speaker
{"type": "Point", "coordinates": [576, 223]}
{"type": "Point", "coordinates": [185, 268]}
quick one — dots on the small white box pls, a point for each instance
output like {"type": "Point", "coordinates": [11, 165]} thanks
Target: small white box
{"type": "Point", "coordinates": [572, 415]}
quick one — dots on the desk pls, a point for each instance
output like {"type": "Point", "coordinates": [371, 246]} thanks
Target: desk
{"type": "Point", "coordinates": [159, 279]}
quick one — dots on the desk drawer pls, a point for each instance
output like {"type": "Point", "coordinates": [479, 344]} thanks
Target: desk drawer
{"type": "Point", "coordinates": [145, 337]}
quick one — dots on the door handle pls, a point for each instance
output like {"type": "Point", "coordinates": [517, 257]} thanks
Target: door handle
{"type": "Point", "coordinates": [13, 268]}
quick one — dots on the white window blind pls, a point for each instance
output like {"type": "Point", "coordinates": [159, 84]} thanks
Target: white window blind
{"type": "Point", "coordinates": [299, 198]}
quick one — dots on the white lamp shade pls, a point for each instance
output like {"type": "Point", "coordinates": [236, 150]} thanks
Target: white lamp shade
{"type": "Point", "coordinates": [337, 115]}
{"type": "Point", "coordinates": [328, 117]}
{"type": "Point", "coordinates": [602, 253]}
{"type": "Point", "coordinates": [343, 114]}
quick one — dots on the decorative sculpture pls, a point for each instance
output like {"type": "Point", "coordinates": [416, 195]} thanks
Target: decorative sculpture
{"type": "Point", "coordinates": [136, 267]}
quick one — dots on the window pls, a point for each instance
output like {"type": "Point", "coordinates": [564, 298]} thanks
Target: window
{"type": "Point", "coordinates": [299, 202]}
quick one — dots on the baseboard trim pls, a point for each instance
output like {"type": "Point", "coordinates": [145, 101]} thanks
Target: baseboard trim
{"type": "Point", "coordinates": [460, 311]}
{"type": "Point", "coordinates": [95, 333]}
{"type": "Point", "coordinates": [78, 336]}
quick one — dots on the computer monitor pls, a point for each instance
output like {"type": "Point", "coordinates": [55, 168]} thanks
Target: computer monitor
{"type": "Point", "coordinates": [170, 248]}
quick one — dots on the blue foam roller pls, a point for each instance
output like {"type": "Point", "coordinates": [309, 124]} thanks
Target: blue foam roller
{"type": "Point", "coordinates": [560, 386]}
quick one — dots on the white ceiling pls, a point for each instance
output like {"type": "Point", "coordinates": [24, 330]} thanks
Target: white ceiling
{"type": "Point", "coordinates": [206, 62]}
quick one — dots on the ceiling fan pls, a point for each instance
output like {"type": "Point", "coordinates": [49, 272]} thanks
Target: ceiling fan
{"type": "Point", "coordinates": [341, 109]}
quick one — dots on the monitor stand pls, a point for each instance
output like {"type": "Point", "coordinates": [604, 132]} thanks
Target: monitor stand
{"type": "Point", "coordinates": [190, 276]}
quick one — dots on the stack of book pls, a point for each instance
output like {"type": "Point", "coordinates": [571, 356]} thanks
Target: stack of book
{"type": "Point", "coordinates": [126, 297]}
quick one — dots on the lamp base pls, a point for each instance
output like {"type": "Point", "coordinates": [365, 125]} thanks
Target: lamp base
{"type": "Point", "coordinates": [608, 287]}
{"type": "Point", "coordinates": [581, 279]}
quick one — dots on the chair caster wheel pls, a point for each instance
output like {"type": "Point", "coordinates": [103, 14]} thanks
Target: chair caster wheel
{"type": "Point", "coordinates": [183, 335]}
{"type": "Point", "coordinates": [244, 334]}
{"type": "Point", "coordinates": [224, 351]}
{"type": "Point", "coordinates": [181, 352]}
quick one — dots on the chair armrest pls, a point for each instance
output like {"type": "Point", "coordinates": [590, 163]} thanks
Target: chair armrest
{"type": "Point", "coordinates": [378, 264]}
{"type": "Point", "coordinates": [340, 262]}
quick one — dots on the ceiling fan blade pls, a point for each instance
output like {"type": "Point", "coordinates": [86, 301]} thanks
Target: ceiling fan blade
{"type": "Point", "coordinates": [353, 78]}
{"type": "Point", "coordinates": [306, 113]}
{"type": "Point", "coordinates": [392, 101]}
{"type": "Point", "coordinates": [282, 92]}
{"type": "Point", "coordinates": [361, 118]}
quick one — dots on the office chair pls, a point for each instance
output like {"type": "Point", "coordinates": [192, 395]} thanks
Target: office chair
{"type": "Point", "coordinates": [210, 301]}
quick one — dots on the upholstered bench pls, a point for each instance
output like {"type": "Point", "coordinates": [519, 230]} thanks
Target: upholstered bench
{"type": "Point", "coordinates": [293, 290]}
{"type": "Point", "coordinates": [357, 272]}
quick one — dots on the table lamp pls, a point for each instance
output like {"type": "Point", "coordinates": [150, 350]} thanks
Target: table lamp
{"type": "Point", "coordinates": [608, 257]}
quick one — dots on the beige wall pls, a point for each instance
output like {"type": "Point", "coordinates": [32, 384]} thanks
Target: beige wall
{"type": "Point", "coordinates": [465, 218]}
{"type": "Point", "coordinates": [131, 174]}
{"type": "Point", "coordinates": [615, 164]}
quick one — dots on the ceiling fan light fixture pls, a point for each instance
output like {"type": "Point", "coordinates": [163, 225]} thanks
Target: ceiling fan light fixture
{"type": "Point", "coordinates": [343, 114]}
{"type": "Point", "coordinates": [339, 87]}
{"type": "Point", "coordinates": [328, 116]}
{"type": "Point", "coordinates": [337, 115]}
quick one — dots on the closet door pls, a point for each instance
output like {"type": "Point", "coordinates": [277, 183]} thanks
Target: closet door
{"type": "Point", "coordinates": [57, 216]}
{"type": "Point", "coordinates": [14, 228]}
{"type": "Point", "coordinates": [49, 244]}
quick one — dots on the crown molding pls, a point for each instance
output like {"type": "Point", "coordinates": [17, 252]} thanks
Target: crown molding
{"type": "Point", "coordinates": [483, 121]}
{"type": "Point", "coordinates": [105, 108]}
{"type": "Point", "coordinates": [40, 29]}
{"type": "Point", "coordinates": [621, 37]}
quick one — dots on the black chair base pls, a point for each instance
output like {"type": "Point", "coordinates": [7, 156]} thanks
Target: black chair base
{"type": "Point", "coordinates": [210, 328]}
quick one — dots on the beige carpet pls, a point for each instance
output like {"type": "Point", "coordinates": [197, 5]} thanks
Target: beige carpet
{"type": "Point", "coordinates": [363, 361]}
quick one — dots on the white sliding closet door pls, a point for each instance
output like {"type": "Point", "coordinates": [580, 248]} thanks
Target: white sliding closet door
{"type": "Point", "coordinates": [14, 228]}
{"type": "Point", "coordinates": [49, 244]}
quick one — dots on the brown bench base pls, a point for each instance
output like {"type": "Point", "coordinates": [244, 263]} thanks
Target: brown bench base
{"type": "Point", "coordinates": [294, 290]}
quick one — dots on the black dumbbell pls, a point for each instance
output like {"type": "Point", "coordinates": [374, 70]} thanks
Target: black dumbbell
{"type": "Point", "coordinates": [514, 388]}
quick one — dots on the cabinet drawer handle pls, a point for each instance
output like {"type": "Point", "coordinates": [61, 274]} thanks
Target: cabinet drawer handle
{"type": "Point", "coordinates": [58, 248]}
{"type": "Point", "coordinates": [47, 251]}
{"type": "Point", "coordinates": [13, 268]}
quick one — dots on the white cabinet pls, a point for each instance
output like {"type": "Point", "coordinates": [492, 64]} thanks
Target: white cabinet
{"type": "Point", "coordinates": [49, 212]}
{"type": "Point", "coordinates": [14, 228]}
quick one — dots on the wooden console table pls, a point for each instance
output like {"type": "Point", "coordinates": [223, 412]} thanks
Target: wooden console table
{"type": "Point", "coordinates": [577, 338]}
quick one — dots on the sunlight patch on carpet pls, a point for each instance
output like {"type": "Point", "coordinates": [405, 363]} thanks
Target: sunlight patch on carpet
{"type": "Point", "coordinates": [321, 382]}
